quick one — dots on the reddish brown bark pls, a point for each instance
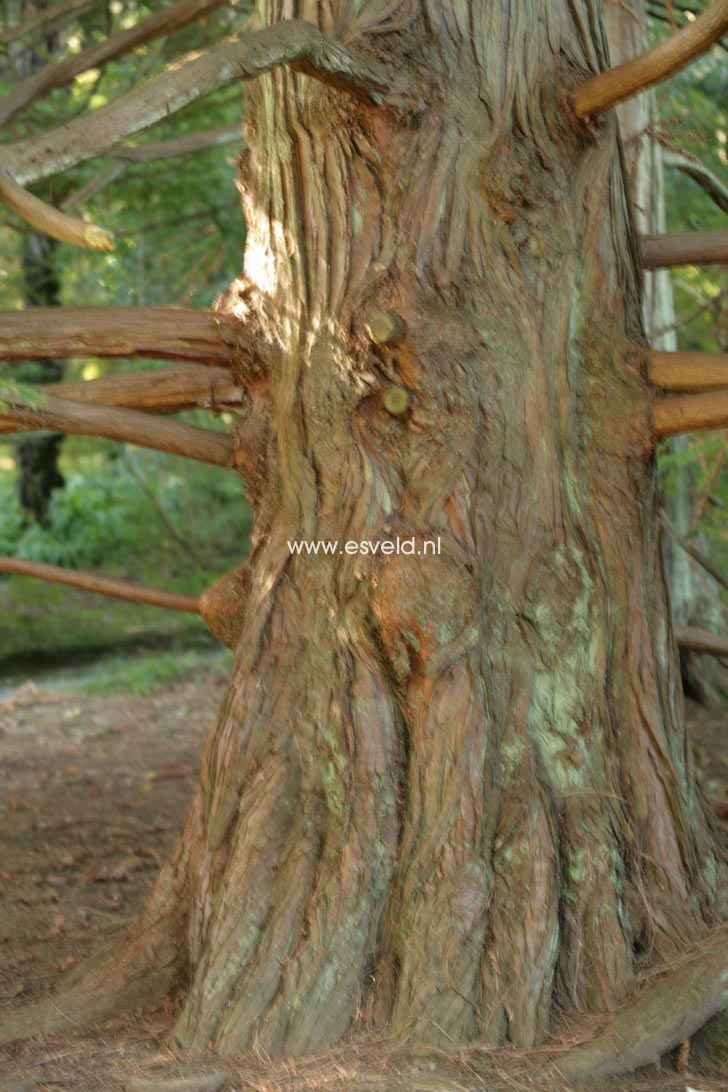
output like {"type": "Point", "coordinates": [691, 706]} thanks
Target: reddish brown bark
{"type": "Point", "coordinates": [127, 426]}
{"type": "Point", "coordinates": [447, 796]}
{"type": "Point", "coordinates": [163, 333]}
{"type": "Point", "coordinates": [688, 371]}
{"type": "Point", "coordinates": [167, 391]}
{"type": "Point", "coordinates": [690, 248]}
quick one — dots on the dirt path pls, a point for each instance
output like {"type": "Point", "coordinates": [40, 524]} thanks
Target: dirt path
{"type": "Point", "coordinates": [93, 791]}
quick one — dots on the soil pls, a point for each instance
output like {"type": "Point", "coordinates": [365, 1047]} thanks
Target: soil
{"type": "Point", "coordinates": [93, 792]}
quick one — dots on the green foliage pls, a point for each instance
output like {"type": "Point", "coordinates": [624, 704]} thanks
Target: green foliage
{"type": "Point", "coordinates": [13, 393]}
{"type": "Point", "coordinates": [179, 229]}
{"type": "Point", "coordinates": [108, 509]}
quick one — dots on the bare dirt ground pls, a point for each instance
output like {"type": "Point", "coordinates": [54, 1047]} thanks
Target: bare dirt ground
{"type": "Point", "coordinates": [93, 791]}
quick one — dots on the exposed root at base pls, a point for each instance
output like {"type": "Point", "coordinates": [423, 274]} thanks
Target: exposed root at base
{"type": "Point", "coordinates": [119, 977]}
{"type": "Point", "coordinates": [666, 1015]}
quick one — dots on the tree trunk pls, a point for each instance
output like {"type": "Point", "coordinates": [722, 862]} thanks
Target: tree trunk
{"type": "Point", "coordinates": [37, 456]}
{"type": "Point", "coordinates": [447, 795]}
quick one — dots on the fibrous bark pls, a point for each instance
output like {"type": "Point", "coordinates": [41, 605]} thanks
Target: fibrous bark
{"type": "Point", "coordinates": [447, 795]}
{"type": "Point", "coordinates": [667, 1015]}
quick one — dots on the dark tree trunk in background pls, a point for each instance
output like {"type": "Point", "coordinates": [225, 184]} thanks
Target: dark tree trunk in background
{"type": "Point", "coordinates": [447, 796]}
{"type": "Point", "coordinates": [37, 455]}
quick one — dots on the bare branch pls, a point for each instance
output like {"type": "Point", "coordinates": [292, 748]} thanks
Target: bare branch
{"type": "Point", "coordinates": [168, 391]}
{"type": "Point", "coordinates": [688, 371]}
{"type": "Point", "coordinates": [690, 412]}
{"type": "Point", "coordinates": [700, 640]}
{"type": "Point", "coordinates": [94, 185]}
{"type": "Point", "coordinates": [163, 21]}
{"type": "Point", "coordinates": [126, 426]}
{"type": "Point", "coordinates": [713, 186]}
{"type": "Point", "coordinates": [712, 304]}
{"type": "Point", "coordinates": [688, 248]}
{"type": "Point", "coordinates": [665, 59]}
{"type": "Point", "coordinates": [694, 552]}
{"type": "Point", "coordinates": [100, 585]}
{"type": "Point", "coordinates": [43, 16]}
{"type": "Point", "coordinates": [296, 43]}
{"type": "Point", "coordinates": [186, 145]}
{"type": "Point", "coordinates": [52, 221]}
{"type": "Point", "coordinates": [146, 153]}
{"type": "Point", "coordinates": [160, 333]}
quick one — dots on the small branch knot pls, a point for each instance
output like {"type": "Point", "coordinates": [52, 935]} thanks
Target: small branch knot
{"type": "Point", "coordinates": [397, 401]}
{"type": "Point", "coordinates": [386, 328]}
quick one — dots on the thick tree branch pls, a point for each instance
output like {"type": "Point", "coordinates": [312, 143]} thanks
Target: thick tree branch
{"type": "Point", "coordinates": [160, 333]}
{"type": "Point", "coordinates": [296, 43]}
{"type": "Point", "coordinates": [100, 585]}
{"type": "Point", "coordinates": [690, 412]}
{"type": "Point", "coordinates": [164, 21]}
{"type": "Point", "coordinates": [688, 371]}
{"type": "Point", "coordinates": [124, 425]}
{"type": "Point", "coordinates": [168, 391]}
{"type": "Point", "coordinates": [665, 59]}
{"type": "Point", "coordinates": [52, 221]}
{"type": "Point", "coordinates": [700, 640]}
{"type": "Point", "coordinates": [688, 248]}
{"type": "Point", "coordinates": [713, 186]}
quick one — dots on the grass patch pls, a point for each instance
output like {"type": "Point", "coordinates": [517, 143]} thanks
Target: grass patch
{"type": "Point", "coordinates": [49, 623]}
{"type": "Point", "coordinates": [140, 676]}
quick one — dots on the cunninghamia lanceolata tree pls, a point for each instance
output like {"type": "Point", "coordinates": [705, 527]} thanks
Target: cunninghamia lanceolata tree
{"type": "Point", "coordinates": [447, 796]}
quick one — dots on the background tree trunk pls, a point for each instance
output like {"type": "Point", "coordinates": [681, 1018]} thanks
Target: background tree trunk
{"type": "Point", "coordinates": [694, 597]}
{"type": "Point", "coordinates": [37, 456]}
{"type": "Point", "coordinates": [447, 794]}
